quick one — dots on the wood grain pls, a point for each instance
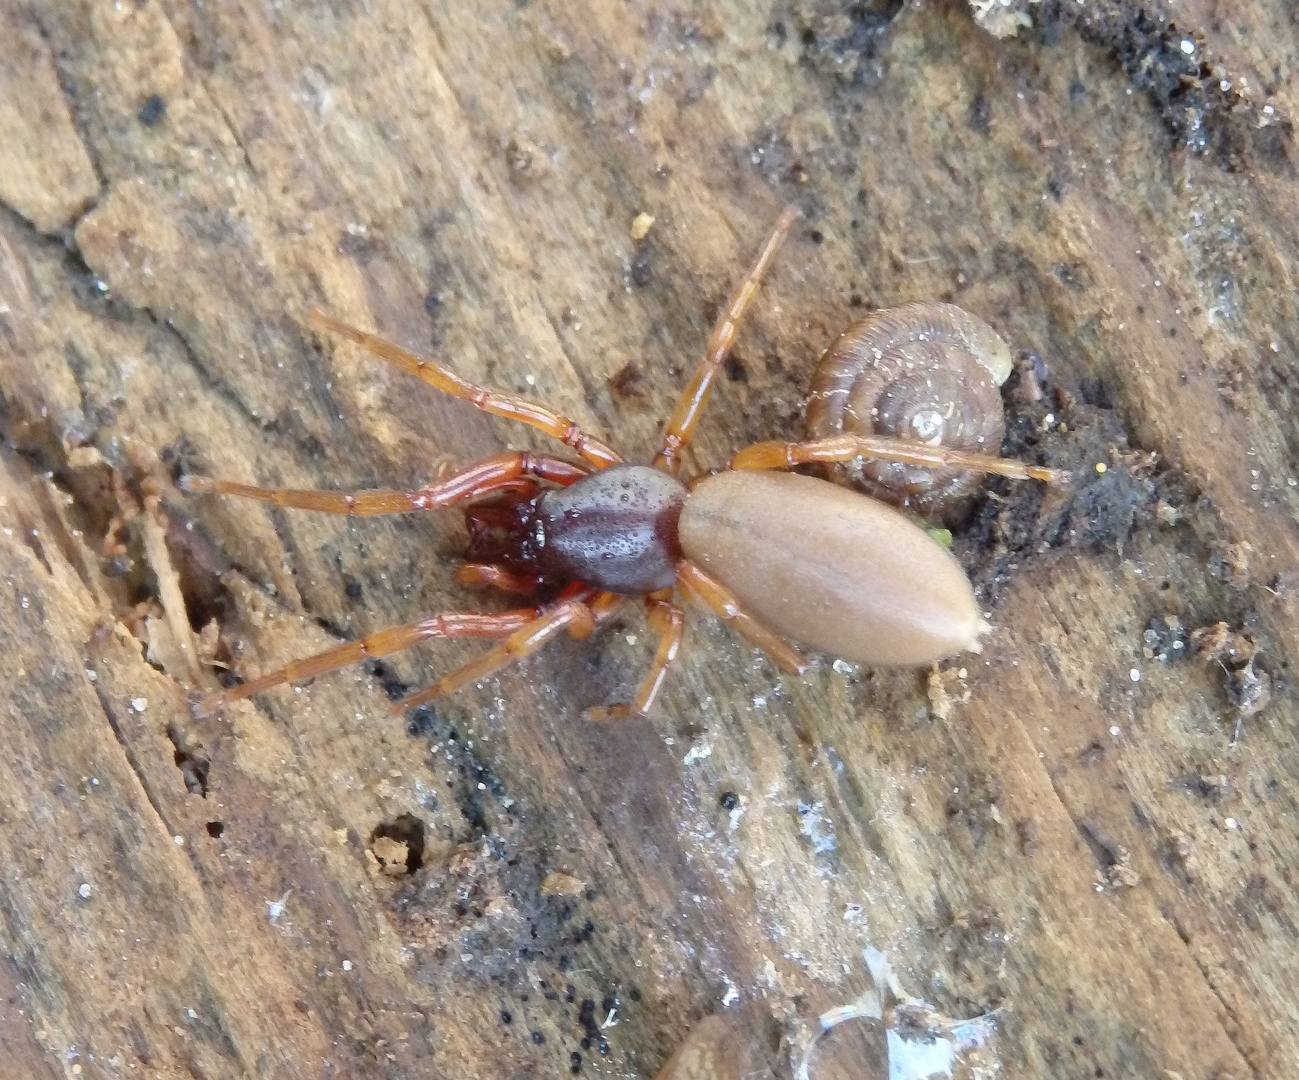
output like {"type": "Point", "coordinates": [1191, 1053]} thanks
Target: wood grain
{"type": "Point", "coordinates": [1095, 844]}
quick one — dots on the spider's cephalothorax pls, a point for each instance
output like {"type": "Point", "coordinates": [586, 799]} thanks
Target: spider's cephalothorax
{"type": "Point", "coordinates": [615, 529]}
{"type": "Point", "coordinates": [815, 562]}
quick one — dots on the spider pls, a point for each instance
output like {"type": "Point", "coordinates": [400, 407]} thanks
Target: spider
{"type": "Point", "coordinates": [777, 555]}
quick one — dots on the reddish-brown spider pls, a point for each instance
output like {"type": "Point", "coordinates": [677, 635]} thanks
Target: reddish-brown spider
{"type": "Point", "coordinates": [828, 567]}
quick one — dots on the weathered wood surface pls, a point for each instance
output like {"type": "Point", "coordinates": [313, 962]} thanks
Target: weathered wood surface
{"type": "Point", "coordinates": [1108, 863]}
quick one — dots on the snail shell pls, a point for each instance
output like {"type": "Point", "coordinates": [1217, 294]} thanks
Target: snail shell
{"type": "Point", "coordinates": [924, 372]}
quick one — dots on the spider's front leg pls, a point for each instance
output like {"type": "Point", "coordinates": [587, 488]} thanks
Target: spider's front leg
{"type": "Point", "coordinates": [512, 407]}
{"type": "Point", "coordinates": [452, 624]}
{"type": "Point", "coordinates": [501, 472]}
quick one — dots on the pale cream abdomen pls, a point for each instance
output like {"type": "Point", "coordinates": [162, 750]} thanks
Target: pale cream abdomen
{"type": "Point", "coordinates": [831, 569]}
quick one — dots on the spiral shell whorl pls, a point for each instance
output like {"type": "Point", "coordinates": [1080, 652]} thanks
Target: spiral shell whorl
{"type": "Point", "coordinates": [926, 372]}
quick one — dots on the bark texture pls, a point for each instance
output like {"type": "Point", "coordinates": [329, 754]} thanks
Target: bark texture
{"type": "Point", "coordinates": [1088, 832]}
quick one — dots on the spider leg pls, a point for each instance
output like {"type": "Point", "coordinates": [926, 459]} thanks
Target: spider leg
{"type": "Point", "coordinates": [511, 406]}
{"type": "Point", "coordinates": [605, 606]}
{"type": "Point", "coordinates": [783, 455]}
{"type": "Point", "coordinates": [500, 472]}
{"type": "Point", "coordinates": [384, 642]}
{"type": "Point", "coordinates": [713, 594]}
{"type": "Point", "coordinates": [570, 611]}
{"type": "Point", "coordinates": [669, 620]}
{"type": "Point", "coordinates": [685, 417]}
